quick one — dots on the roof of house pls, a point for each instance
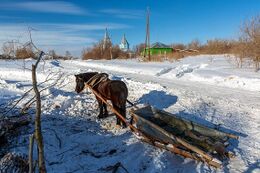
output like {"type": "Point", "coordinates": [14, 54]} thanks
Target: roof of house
{"type": "Point", "coordinates": [159, 45]}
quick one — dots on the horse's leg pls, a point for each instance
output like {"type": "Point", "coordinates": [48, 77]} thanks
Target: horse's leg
{"type": "Point", "coordinates": [123, 113]}
{"type": "Point", "coordinates": [118, 110]}
{"type": "Point", "coordinates": [105, 108]}
{"type": "Point", "coordinates": [100, 105]}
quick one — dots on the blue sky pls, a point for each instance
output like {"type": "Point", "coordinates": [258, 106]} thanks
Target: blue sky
{"type": "Point", "coordinates": [73, 25]}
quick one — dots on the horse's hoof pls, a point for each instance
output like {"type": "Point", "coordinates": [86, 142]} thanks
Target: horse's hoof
{"type": "Point", "coordinates": [100, 116]}
{"type": "Point", "coordinates": [118, 126]}
{"type": "Point", "coordinates": [123, 125]}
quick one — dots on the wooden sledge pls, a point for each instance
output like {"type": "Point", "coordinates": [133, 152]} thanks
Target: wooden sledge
{"type": "Point", "coordinates": [180, 136]}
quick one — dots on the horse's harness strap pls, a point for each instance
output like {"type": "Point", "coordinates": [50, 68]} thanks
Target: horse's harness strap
{"type": "Point", "coordinates": [97, 79]}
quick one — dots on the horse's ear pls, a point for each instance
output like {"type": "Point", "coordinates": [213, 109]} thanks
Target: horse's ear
{"type": "Point", "coordinates": [78, 76]}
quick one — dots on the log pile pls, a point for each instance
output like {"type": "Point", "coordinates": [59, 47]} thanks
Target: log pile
{"type": "Point", "coordinates": [9, 127]}
{"type": "Point", "coordinates": [14, 163]}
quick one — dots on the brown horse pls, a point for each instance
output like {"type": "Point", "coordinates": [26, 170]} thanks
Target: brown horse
{"type": "Point", "coordinates": [114, 90]}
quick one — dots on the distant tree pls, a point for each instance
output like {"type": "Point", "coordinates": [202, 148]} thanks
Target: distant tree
{"type": "Point", "coordinates": [138, 49]}
{"type": "Point", "coordinates": [68, 55]}
{"type": "Point", "coordinates": [250, 41]}
{"type": "Point", "coordinates": [9, 48]}
{"type": "Point", "coordinates": [52, 54]}
{"type": "Point", "coordinates": [194, 44]}
{"type": "Point", "coordinates": [179, 46]}
{"type": "Point", "coordinates": [98, 51]}
{"type": "Point", "coordinates": [238, 49]}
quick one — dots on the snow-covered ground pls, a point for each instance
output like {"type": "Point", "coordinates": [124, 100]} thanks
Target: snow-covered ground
{"type": "Point", "coordinates": [206, 89]}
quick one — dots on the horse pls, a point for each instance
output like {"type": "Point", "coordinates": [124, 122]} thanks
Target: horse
{"type": "Point", "coordinates": [114, 90]}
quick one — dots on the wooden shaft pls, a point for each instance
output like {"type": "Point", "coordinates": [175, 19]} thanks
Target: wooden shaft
{"type": "Point", "coordinates": [178, 151]}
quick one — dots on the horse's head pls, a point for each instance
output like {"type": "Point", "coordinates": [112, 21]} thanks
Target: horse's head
{"type": "Point", "coordinates": [79, 83]}
{"type": "Point", "coordinates": [81, 79]}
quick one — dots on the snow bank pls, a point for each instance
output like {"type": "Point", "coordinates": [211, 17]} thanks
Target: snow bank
{"type": "Point", "coordinates": [207, 69]}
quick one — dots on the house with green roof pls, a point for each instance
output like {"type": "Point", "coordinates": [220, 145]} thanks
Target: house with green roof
{"type": "Point", "coordinates": [159, 48]}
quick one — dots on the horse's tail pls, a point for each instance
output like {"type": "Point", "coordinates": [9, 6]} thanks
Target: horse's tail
{"type": "Point", "coordinates": [132, 104]}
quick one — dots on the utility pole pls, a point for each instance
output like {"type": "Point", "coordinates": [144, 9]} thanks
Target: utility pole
{"type": "Point", "coordinates": [147, 37]}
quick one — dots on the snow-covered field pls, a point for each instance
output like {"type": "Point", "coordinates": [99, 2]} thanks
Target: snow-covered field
{"type": "Point", "coordinates": [206, 89]}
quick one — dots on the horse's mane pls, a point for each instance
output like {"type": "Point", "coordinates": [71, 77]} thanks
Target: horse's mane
{"type": "Point", "coordinates": [86, 76]}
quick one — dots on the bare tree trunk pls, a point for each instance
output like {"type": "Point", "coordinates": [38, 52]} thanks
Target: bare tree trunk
{"type": "Point", "coordinates": [240, 62]}
{"type": "Point", "coordinates": [111, 55]}
{"type": "Point", "coordinates": [257, 61]}
{"type": "Point", "coordinates": [31, 154]}
{"type": "Point", "coordinates": [38, 133]}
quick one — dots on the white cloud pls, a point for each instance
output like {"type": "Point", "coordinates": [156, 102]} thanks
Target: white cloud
{"type": "Point", "coordinates": [45, 6]}
{"type": "Point", "coordinates": [124, 13]}
{"type": "Point", "coordinates": [83, 27]}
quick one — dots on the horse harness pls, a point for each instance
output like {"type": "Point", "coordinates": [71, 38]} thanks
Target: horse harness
{"type": "Point", "coordinates": [97, 79]}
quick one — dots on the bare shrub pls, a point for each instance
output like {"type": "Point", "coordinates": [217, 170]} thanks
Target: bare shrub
{"type": "Point", "coordinates": [92, 53]}
{"type": "Point", "coordinates": [118, 53]}
{"type": "Point", "coordinates": [249, 41]}
{"type": "Point", "coordinates": [24, 53]}
{"type": "Point", "coordinates": [154, 58]}
{"type": "Point", "coordinates": [239, 49]}
{"type": "Point", "coordinates": [178, 46]}
{"type": "Point", "coordinates": [9, 48]}
{"type": "Point", "coordinates": [176, 55]}
{"type": "Point", "coordinates": [194, 44]}
{"type": "Point", "coordinates": [138, 49]}
{"type": "Point", "coordinates": [99, 52]}
{"type": "Point", "coordinates": [4, 56]}
{"type": "Point", "coordinates": [53, 55]}
{"type": "Point", "coordinates": [217, 46]}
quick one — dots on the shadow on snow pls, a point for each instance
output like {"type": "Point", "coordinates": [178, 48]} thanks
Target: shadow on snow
{"type": "Point", "coordinates": [158, 99]}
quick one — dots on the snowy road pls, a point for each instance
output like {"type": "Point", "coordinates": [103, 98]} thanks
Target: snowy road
{"type": "Point", "coordinates": [205, 89]}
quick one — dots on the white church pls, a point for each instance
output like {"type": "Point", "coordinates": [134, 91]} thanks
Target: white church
{"type": "Point", "coordinates": [124, 45]}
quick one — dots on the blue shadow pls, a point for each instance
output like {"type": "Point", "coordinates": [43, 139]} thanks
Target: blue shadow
{"type": "Point", "coordinates": [158, 99]}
